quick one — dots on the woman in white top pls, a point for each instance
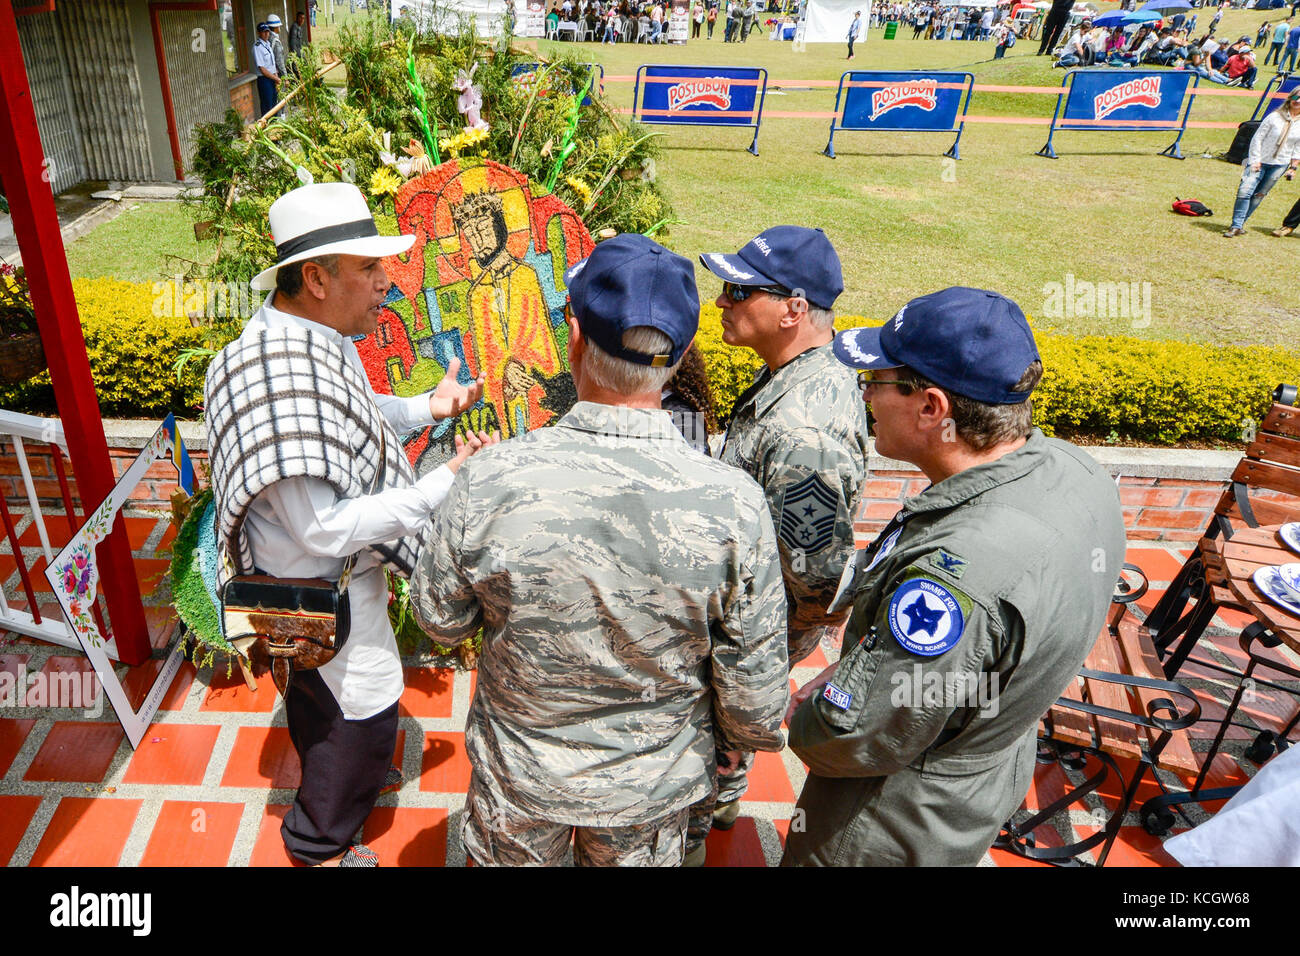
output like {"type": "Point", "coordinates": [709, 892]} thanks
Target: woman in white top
{"type": "Point", "coordinates": [1274, 150]}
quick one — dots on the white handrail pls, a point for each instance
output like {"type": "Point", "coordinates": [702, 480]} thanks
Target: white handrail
{"type": "Point", "coordinates": [14, 427]}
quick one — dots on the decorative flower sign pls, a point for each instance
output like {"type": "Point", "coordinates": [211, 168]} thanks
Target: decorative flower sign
{"type": "Point", "coordinates": [74, 576]}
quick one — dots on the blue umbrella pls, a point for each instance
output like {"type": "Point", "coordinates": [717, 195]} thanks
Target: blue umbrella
{"type": "Point", "coordinates": [1118, 17]}
{"type": "Point", "coordinates": [1166, 5]}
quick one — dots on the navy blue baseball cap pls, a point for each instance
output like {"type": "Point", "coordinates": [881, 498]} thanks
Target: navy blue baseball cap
{"type": "Point", "coordinates": [263, 26]}
{"type": "Point", "coordinates": [970, 341]}
{"type": "Point", "coordinates": [631, 280]}
{"type": "Point", "coordinates": [793, 258]}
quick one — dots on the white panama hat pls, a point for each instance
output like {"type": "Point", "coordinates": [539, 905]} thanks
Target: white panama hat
{"type": "Point", "coordinates": [320, 220]}
{"type": "Point", "coordinates": [273, 20]}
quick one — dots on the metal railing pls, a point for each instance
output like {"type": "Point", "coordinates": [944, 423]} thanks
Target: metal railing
{"type": "Point", "coordinates": [14, 429]}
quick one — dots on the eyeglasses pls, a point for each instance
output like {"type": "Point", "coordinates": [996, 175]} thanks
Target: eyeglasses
{"type": "Point", "coordinates": [866, 379]}
{"type": "Point", "coordinates": [739, 293]}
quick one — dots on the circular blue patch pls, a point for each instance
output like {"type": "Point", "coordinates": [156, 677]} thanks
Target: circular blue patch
{"type": "Point", "coordinates": [925, 618]}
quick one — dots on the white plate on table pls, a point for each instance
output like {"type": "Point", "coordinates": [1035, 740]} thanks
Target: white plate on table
{"type": "Point", "coordinates": [1269, 582]}
{"type": "Point", "coordinates": [1290, 535]}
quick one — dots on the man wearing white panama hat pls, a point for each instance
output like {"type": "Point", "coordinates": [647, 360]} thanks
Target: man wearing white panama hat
{"type": "Point", "coordinates": [308, 472]}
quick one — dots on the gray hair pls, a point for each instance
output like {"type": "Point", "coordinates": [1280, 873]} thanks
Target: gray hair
{"type": "Point", "coordinates": [628, 378]}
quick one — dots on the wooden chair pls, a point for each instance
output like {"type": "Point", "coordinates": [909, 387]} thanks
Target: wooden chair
{"type": "Point", "coordinates": [1271, 463]}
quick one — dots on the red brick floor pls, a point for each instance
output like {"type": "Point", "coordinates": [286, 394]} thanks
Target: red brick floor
{"type": "Point", "coordinates": [213, 777]}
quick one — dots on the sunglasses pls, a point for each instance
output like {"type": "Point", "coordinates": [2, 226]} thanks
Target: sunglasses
{"type": "Point", "coordinates": [866, 379]}
{"type": "Point", "coordinates": [739, 293]}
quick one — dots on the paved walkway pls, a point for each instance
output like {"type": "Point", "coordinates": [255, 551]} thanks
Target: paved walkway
{"type": "Point", "coordinates": [216, 772]}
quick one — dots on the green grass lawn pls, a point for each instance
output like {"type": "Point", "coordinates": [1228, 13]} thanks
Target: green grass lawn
{"type": "Point", "coordinates": [906, 221]}
{"type": "Point", "coordinates": [143, 244]}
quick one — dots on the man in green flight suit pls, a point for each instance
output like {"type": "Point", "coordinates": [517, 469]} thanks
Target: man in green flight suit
{"type": "Point", "coordinates": [973, 609]}
{"type": "Point", "coordinates": [800, 431]}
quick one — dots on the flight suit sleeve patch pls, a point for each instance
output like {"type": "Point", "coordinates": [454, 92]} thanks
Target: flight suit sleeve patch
{"type": "Point", "coordinates": [926, 617]}
{"type": "Point", "coordinates": [808, 511]}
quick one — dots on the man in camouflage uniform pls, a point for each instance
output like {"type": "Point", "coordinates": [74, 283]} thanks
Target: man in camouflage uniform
{"type": "Point", "coordinates": [800, 430]}
{"type": "Point", "coordinates": [628, 590]}
{"type": "Point", "coordinates": [972, 611]}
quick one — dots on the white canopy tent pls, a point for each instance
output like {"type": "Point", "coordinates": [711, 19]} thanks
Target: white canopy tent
{"type": "Point", "coordinates": [444, 16]}
{"type": "Point", "coordinates": [828, 21]}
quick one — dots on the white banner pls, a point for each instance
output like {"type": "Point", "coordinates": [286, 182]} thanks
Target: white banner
{"type": "Point", "coordinates": [828, 21]}
{"type": "Point", "coordinates": [679, 21]}
{"type": "Point", "coordinates": [530, 18]}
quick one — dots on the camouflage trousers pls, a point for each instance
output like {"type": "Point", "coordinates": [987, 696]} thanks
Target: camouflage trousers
{"type": "Point", "coordinates": [732, 787]}
{"type": "Point", "coordinates": [494, 836]}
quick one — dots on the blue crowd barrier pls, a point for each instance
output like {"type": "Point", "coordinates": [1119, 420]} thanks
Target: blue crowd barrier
{"type": "Point", "coordinates": [905, 101]}
{"type": "Point", "coordinates": [701, 96]}
{"type": "Point", "coordinates": [1131, 100]}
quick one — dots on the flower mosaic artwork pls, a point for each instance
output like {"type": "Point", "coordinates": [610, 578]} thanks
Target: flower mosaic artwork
{"type": "Point", "coordinates": [484, 283]}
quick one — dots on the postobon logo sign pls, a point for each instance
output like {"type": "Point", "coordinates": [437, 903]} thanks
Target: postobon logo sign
{"type": "Point", "coordinates": [1142, 91]}
{"type": "Point", "coordinates": [714, 91]}
{"type": "Point", "coordinates": [920, 93]}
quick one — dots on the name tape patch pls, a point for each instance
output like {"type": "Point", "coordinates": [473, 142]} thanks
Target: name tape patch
{"type": "Point", "coordinates": [836, 697]}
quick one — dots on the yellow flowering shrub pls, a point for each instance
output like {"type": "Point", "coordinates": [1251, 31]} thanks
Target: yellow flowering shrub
{"type": "Point", "coordinates": [134, 334]}
{"type": "Point", "coordinates": [1108, 387]}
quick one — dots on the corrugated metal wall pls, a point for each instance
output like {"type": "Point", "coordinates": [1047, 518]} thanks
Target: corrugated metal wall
{"type": "Point", "coordinates": [106, 90]}
{"type": "Point", "coordinates": [198, 77]}
{"type": "Point", "coordinates": [43, 55]}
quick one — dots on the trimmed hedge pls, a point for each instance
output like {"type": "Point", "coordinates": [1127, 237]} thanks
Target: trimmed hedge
{"type": "Point", "coordinates": [133, 343]}
{"type": "Point", "coordinates": [1114, 388]}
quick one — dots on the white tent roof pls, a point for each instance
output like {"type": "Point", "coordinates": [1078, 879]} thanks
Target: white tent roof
{"type": "Point", "coordinates": [444, 16]}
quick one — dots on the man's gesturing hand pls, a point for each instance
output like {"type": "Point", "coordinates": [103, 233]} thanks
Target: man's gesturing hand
{"type": "Point", "coordinates": [808, 690]}
{"type": "Point", "coordinates": [451, 398]}
{"type": "Point", "coordinates": [469, 445]}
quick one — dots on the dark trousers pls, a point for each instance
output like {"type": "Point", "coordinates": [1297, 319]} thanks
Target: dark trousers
{"type": "Point", "coordinates": [266, 93]}
{"type": "Point", "coordinates": [1274, 53]}
{"type": "Point", "coordinates": [1052, 29]}
{"type": "Point", "coordinates": [1292, 220]}
{"type": "Point", "coordinates": [344, 763]}
{"type": "Point", "coordinates": [851, 39]}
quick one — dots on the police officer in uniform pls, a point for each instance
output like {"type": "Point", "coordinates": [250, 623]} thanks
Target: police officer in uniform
{"type": "Point", "coordinates": [629, 592]}
{"type": "Point", "coordinates": [800, 431]}
{"type": "Point", "coordinates": [972, 611]}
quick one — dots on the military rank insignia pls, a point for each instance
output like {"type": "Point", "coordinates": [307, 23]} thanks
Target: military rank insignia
{"type": "Point", "coordinates": [925, 617]}
{"type": "Point", "coordinates": [948, 563]}
{"type": "Point", "coordinates": [836, 697]}
{"type": "Point", "coordinates": [808, 511]}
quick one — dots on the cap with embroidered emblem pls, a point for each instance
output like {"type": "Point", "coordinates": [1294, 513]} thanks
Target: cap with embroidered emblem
{"type": "Point", "coordinates": [796, 258]}
{"type": "Point", "coordinates": [970, 341]}
{"type": "Point", "coordinates": [629, 281]}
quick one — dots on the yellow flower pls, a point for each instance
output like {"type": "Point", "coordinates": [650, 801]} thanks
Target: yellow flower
{"type": "Point", "coordinates": [580, 188]}
{"type": "Point", "coordinates": [384, 182]}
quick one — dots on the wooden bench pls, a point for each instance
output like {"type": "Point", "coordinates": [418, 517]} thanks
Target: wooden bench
{"type": "Point", "coordinates": [1120, 706]}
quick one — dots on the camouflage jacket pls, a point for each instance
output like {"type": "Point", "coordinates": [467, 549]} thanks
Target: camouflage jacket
{"type": "Point", "coordinates": [802, 435]}
{"type": "Point", "coordinates": [973, 610]}
{"type": "Point", "coordinates": [632, 609]}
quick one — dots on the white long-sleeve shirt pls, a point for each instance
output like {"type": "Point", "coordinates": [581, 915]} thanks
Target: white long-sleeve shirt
{"type": "Point", "coordinates": [300, 528]}
{"type": "Point", "coordinates": [1276, 142]}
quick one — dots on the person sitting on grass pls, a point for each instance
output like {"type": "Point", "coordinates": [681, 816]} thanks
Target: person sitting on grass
{"type": "Point", "coordinates": [1241, 68]}
{"type": "Point", "coordinates": [1196, 62]}
{"type": "Point", "coordinates": [1076, 51]}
